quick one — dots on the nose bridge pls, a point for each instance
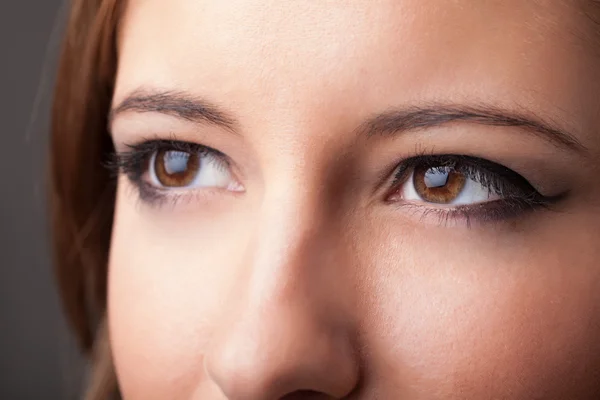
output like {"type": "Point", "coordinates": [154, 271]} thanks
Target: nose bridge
{"type": "Point", "coordinates": [288, 242]}
{"type": "Point", "coordinates": [282, 332]}
{"type": "Point", "coordinates": [286, 262]}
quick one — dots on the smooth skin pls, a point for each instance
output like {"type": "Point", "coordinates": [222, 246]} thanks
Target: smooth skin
{"type": "Point", "coordinates": [308, 283]}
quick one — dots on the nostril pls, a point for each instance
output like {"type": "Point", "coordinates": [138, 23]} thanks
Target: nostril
{"type": "Point", "coordinates": [306, 395]}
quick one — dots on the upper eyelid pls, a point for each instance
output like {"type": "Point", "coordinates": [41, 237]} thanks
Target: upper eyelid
{"type": "Point", "coordinates": [136, 153]}
{"type": "Point", "coordinates": [154, 144]}
{"type": "Point", "coordinates": [147, 147]}
{"type": "Point", "coordinates": [435, 160]}
{"type": "Point", "coordinates": [494, 169]}
{"type": "Point", "coordinates": [430, 159]}
{"type": "Point", "coordinates": [131, 161]}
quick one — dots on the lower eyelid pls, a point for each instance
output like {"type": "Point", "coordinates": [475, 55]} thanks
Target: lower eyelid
{"type": "Point", "coordinates": [466, 216]}
{"type": "Point", "coordinates": [170, 198]}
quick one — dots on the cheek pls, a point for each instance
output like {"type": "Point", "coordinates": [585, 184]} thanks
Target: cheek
{"type": "Point", "coordinates": [457, 316]}
{"type": "Point", "coordinates": [164, 294]}
{"type": "Point", "coordinates": [443, 313]}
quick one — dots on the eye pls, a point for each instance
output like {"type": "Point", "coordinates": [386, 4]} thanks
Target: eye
{"type": "Point", "coordinates": [445, 185]}
{"type": "Point", "coordinates": [446, 181]}
{"type": "Point", "coordinates": [159, 168]}
{"type": "Point", "coordinates": [186, 169]}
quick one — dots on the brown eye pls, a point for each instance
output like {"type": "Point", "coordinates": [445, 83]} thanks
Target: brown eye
{"type": "Point", "coordinates": [441, 185]}
{"type": "Point", "coordinates": [174, 168]}
{"type": "Point", "coordinates": [459, 181]}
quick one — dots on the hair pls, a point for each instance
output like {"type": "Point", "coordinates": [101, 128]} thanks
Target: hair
{"type": "Point", "coordinates": [82, 194]}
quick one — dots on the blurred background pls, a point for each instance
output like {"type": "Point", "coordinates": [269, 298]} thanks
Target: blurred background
{"type": "Point", "coordinates": [38, 358]}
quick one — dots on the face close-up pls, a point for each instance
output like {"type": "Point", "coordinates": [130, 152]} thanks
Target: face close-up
{"type": "Point", "coordinates": [359, 199]}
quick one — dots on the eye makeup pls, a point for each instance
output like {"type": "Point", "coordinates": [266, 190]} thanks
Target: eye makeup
{"type": "Point", "coordinates": [503, 193]}
{"type": "Point", "coordinates": [139, 164]}
{"type": "Point", "coordinates": [447, 186]}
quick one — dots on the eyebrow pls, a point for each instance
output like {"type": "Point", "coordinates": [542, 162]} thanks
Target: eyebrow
{"type": "Point", "coordinates": [419, 118]}
{"type": "Point", "coordinates": [177, 104]}
{"type": "Point", "coordinates": [389, 123]}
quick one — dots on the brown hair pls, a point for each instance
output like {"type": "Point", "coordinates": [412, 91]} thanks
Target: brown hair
{"type": "Point", "coordinates": [82, 194]}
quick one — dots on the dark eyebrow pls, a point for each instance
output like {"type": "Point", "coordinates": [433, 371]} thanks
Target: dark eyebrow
{"type": "Point", "coordinates": [393, 122]}
{"type": "Point", "coordinates": [417, 118]}
{"type": "Point", "coordinates": [177, 104]}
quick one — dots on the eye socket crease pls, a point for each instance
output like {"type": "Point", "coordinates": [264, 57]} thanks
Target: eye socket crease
{"type": "Point", "coordinates": [392, 122]}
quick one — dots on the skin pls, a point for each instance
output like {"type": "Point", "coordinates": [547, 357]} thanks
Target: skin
{"type": "Point", "coordinates": [308, 284]}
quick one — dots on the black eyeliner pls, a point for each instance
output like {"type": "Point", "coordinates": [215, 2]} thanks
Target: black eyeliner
{"type": "Point", "coordinates": [134, 163]}
{"type": "Point", "coordinates": [518, 195]}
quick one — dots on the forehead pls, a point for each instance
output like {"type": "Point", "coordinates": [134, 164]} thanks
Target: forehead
{"type": "Point", "coordinates": [384, 50]}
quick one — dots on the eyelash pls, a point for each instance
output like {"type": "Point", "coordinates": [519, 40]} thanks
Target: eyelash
{"type": "Point", "coordinates": [134, 163]}
{"type": "Point", "coordinates": [518, 195]}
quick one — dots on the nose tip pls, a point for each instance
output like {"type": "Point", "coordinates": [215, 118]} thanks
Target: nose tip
{"type": "Point", "coordinates": [292, 362]}
{"type": "Point", "coordinates": [285, 331]}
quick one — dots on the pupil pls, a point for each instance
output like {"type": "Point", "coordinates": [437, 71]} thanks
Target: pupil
{"type": "Point", "coordinates": [436, 177]}
{"type": "Point", "coordinates": [176, 162]}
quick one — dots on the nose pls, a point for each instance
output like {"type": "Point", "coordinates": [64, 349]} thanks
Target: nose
{"type": "Point", "coordinates": [283, 333]}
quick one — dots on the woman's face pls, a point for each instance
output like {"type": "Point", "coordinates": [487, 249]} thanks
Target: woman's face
{"type": "Point", "coordinates": [392, 199]}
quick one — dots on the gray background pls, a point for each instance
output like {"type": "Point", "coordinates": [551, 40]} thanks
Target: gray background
{"type": "Point", "coordinates": [38, 359]}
